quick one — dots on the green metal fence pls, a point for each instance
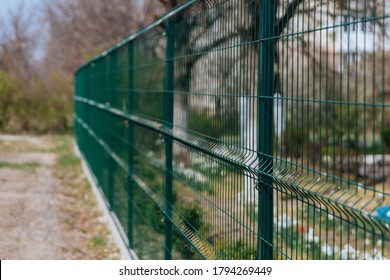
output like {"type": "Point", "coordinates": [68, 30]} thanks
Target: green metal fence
{"type": "Point", "coordinates": [245, 129]}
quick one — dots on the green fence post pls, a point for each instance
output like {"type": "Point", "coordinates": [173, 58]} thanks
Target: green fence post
{"type": "Point", "coordinates": [130, 139]}
{"type": "Point", "coordinates": [86, 113]}
{"type": "Point", "coordinates": [265, 128]}
{"type": "Point", "coordinates": [111, 168]}
{"type": "Point", "coordinates": [168, 119]}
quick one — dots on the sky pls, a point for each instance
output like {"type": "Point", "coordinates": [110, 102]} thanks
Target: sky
{"type": "Point", "coordinates": [7, 5]}
{"type": "Point", "coordinates": [28, 6]}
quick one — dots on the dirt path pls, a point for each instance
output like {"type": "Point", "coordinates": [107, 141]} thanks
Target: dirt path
{"type": "Point", "coordinates": [46, 212]}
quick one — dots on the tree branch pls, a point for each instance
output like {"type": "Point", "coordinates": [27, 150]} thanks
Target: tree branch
{"type": "Point", "coordinates": [281, 24]}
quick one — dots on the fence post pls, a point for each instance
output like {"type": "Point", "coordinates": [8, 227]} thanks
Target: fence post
{"type": "Point", "coordinates": [111, 168]}
{"type": "Point", "coordinates": [130, 145]}
{"type": "Point", "coordinates": [168, 122]}
{"type": "Point", "coordinates": [265, 128]}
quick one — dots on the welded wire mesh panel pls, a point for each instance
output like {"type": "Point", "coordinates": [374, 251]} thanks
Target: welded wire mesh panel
{"type": "Point", "coordinates": [245, 129]}
{"type": "Point", "coordinates": [331, 116]}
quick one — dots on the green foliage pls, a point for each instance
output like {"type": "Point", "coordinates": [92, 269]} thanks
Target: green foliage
{"type": "Point", "coordinates": [331, 150]}
{"type": "Point", "coordinates": [69, 160]}
{"type": "Point", "coordinates": [183, 246]}
{"type": "Point", "coordinates": [192, 214]}
{"type": "Point", "coordinates": [296, 143]}
{"type": "Point", "coordinates": [214, 126]}
{"type": "Point", "coordinates": [27, 165]}
{"type": "Point", "coordinates": [239, 250]}
{"type": "Point", "coordinates": [148, 79]}
{"type": "Point", "coordinates": [386, 134]}
{"type": "Point", "coordinates": [151, 214]}
{"type": "Point", "coordinates": [344, 116]}
{"type": "Point", "coordinates": [99, 241]}
{"type": "Point", "coordinates": [8, 90]}
{"type": "Point", "coordinates": [203, 124]}
{"type": "Point", "coordinates": [36, 106]}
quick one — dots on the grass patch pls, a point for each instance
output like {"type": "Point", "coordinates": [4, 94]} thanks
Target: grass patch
{"type": "Point", "coordinates": [63, 144]}
{"type": "Point", "coordinates": [69, 160]}
{"type": "Point", "coordinates": [25, 166]}
{"type": "Point", "coordinates": [99, 241]}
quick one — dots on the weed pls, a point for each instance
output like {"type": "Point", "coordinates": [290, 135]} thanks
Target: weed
{"type": "Point", "coordinates": [69, 160]}
{"type": "Point", "coordinates": [26, 165]}
{"type": "Point", "coordinates": [99, 241]}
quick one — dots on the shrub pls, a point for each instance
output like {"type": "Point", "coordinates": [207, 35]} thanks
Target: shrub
{"type": "Point", "coordinates": [8, 90]}
{"type": "Point", "coordinates": [36, 106]}
{"type": "Point", "coordinates": [386, 134]}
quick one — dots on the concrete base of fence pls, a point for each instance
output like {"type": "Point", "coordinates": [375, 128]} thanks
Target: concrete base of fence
{"type": "Point", "coordinates": [119, 236]}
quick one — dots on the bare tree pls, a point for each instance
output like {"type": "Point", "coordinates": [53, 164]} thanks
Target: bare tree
{"type": "Point", "coordinates": [78, 29]}
{"type": "Point", "coordinates": [17, 45]}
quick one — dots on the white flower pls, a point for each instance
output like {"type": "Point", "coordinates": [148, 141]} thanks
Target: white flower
{"type": "Point", "coordinates": [367, 256]}
{"type": "Point", "coordinates": [329, 250]}
{"type": "Point", "coordinates": [284, 221]}
{"type": "Point", "coordinates": [349, 252]}
{"type": "Point", "coordinates": [326, 249]}
{"type": "Point", "coordinates": [310, 237]}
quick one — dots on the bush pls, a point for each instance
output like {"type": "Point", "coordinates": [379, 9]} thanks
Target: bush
{"type": "Point", "coordinates": [8, 90]}
{"type": "Point", "coordinates": [193, 219]}
{"type": "Point", "coordinates": [387, 137]}
{"type": "Point", "coordinates": [36, 106]}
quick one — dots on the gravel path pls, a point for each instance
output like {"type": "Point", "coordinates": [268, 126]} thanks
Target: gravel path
{"type": "Point", "coordinates": [30, 223]}
{"type": "Point", "coordinates": [33, 222]}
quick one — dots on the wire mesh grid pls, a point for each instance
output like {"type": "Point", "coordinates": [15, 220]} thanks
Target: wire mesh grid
{"type": "Point", "coordinates": [245, 129]}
